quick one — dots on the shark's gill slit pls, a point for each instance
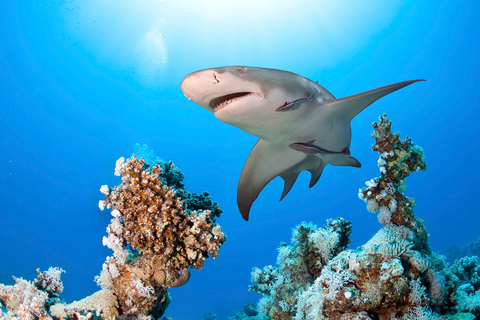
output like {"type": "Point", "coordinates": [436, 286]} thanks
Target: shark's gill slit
{"type": "Point", "coordinates": [222, 101]}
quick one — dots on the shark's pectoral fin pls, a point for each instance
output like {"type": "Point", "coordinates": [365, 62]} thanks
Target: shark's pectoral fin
{"type": "Point", "coordinates": [348, 107]}
{"type": "Point", "coordinates": [266, 161]}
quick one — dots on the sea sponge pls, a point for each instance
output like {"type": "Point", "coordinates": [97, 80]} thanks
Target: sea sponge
{"type": "Point", "coordinates": [438, 289]}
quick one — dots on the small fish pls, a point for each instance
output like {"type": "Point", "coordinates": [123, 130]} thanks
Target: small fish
{"type": "Point", "coordinates": [311, 149]}
{"type": "Point", "coordinates": [287, 105]}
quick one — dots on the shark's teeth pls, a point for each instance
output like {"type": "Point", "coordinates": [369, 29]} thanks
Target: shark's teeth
{"type": "Point", "coordinates": [221, 102]}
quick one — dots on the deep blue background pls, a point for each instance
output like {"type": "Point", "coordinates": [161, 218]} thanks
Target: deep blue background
{"type": "Point", "coordinates": [82, 81]}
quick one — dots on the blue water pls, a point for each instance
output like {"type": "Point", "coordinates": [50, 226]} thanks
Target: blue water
{"type": "Point", "coordinates": [82, 81]}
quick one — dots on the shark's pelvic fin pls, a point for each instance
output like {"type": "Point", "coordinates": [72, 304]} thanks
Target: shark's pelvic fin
{"type": "Point", "coordinates": [291, 175]}
{"type": "Point", "coordinates": [348, 107]}
{"type": "Point", "coordinates": [347, 162]}
{"type": "Point", "coordinates": [266, 161]}
{"type": "Point", "coordinates": [316, 174]}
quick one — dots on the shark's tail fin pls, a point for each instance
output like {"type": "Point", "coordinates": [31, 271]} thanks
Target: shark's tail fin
{"type": "Point", "coordinates": [349, 107]}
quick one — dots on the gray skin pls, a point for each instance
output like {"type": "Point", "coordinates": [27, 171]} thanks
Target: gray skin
{"type": "Point", "coordinates": [300, 124]}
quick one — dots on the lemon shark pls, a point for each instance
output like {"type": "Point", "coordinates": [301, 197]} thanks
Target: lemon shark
{"type": "Point", "coordinates": [300, 125]}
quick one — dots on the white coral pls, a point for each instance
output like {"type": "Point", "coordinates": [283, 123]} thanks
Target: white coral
{"type": "Point", "coordinates": [391, 268]}
{"type": "Point", "coordinates": [324, 242]}
{"type": "Point", "coordinates": [144, 291]}
{"type": "Point", "coordinates": [119, 165]}
{"type": "Point", "coordinates": [372, 205]}
{"type": "Point", "coordinates": [335, 281]}
{"type": "Point", "coordinates": [104, 189]}
{"type": "Point", "coordinates": [371, 183]}
{"type": "Point", "coordinates": [384, 215]}
{"type": "Point", "coordinates": [116, 244]}
{"type": "Point", "coordinates": [115, 226]}
{"type": "Point", "coordinates": [310, 303]}
{"type": "Point", "coordinates": [104, 280]}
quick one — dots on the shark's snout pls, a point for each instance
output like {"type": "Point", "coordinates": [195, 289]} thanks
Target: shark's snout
{"type": "Point", "coordinates": [198, 86]}
{"type": "Point", "coordinates": [214, 89]}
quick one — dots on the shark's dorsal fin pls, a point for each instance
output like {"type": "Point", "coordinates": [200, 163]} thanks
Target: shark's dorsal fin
{"type": "Point", "coordinates": [266, 161]}
{"type": "Point", "coordinates": [348, 107]}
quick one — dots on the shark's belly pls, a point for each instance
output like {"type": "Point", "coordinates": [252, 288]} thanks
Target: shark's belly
{"type": "Point", "coordinates": [326, 135]}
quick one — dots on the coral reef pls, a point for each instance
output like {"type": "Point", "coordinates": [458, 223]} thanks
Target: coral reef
{"type": "Point", "coordinates": [158, 232]}
{"type": "Point", "coordinates": [393, 276]}
{"type": "Point", "coordinates": [385, 194]}
{"type": "Point", "coordinates": [209, 316]}
{"type": "Point", "coordinates": [466, 274]}
{"type": "Point", "coordinates": [156, 235]}
{"type": "Point", "coordinates": [32, 300]}
{"type": "Point", "coordinates": [475, 247]}
{"type": "Point", "coordinates": [298, 265]}
{"type": "Point", "coordinates": [456, 251]}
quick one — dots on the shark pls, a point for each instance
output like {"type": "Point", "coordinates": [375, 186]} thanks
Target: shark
{"type": "Point", "coordinates": [301, 126]}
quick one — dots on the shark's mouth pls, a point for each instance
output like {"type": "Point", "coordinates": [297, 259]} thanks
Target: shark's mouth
{"type": "Point", "coordinates": [221, 102]}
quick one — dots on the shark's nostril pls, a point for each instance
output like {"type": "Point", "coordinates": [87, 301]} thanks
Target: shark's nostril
{"type": "Point", "coordinates": [215, 78]}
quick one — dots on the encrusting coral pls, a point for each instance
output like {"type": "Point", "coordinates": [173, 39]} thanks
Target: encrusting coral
{"type": "Point", "coordinates": [32, 300]}
{"type": "Point", "coordinates": [158, 232]}
{"type": "Point", "coordinates": [393, 276]}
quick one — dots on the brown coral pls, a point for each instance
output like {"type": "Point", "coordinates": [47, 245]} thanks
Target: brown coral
{"type": "Point", "coordinates": [151, 218]}
{"type": "Point", "coordinates": [156, 223]}
{"type": "Point", "coordinates": [384, 194]}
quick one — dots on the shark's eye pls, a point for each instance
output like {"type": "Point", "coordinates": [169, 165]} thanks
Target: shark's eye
{"type": "Point", "coordinates": [241, 70]}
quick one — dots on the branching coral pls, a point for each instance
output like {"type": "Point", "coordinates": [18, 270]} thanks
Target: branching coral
{"type": "Point", "coordinates": [393, 276]}
{"type": "Point", "coordinates": [385, 194]}
{"type": "Point", "coordinates": [49, 281]}
{"type": "Point", "coordinates": [298, 266]}
{"type": "Point", "coordinates": [157, 232]}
